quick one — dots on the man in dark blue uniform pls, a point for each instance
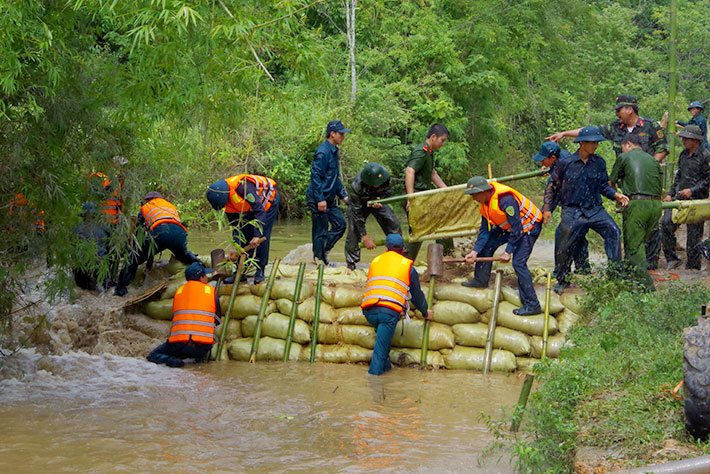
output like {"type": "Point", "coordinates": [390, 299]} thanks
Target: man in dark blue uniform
{"type": "Point", "coordinates": [696, 111]}
{"type": "Point", "coordinates": [579, 183]}
{"type": "Point", "coordinates": [549, 156]}
{"type": "Point", "coordinates": [328, 223]}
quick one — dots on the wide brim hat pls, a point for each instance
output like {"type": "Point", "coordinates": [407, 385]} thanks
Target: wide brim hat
{"type": "Point", "coordinates": [691, 131]}
{"type": "Point", "coordinates": [589, 134]}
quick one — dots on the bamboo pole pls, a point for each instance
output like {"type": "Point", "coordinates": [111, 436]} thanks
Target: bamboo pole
{"type": "Point", "coordinates": [522, 402]}
{"type": "Point", "coordinates": [262, 310]}
{"type": "Point", "coordinates": [316, 312]}
{"type": "Point", "coordinates": [672, 91]}
{"type": "Point", "coordinates": [490, 171]}
{"type": "Point", "coordinates": [546, 320]}
{"type": "Point", "coordinates": [294, 309]}
{"type": "Point", "coordinates": [230, 304]}
{"type": "Point", "coordinates": [492, 324]}
{"type": "Point", "coordinates": [457, 187]}
{"type": "Point", "coordinates": [427, 324]}
{"type": "Point", "coordinates": [442, 235]}
{"type": "Point", "coordinates": [685, 203]}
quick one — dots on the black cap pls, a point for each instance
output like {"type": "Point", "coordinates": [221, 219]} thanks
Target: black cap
{"type": "Point", "coordinates": [336, 126]}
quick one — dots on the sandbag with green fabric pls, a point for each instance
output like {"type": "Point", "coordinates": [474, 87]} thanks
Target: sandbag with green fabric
{"type": "Point", "coordinates": [440, 335]}
{"type": "Point", "coordinates": [160, 309]}
{"type": "Point", "coordinates": [554, 344]}
{"type": "Point", "coordinates": [269, 349]}
{"type": "Point", "coordinates": [276, 325]}
{"type": "Point", "coordinates": [245, 305]}
{"type": "Point", "coordinates": [410, 357]}
{"type": "Point", "coordinates": [351, 315]}
{"type": "Point", "coordinates": [475, 335]}
{"type": "Point", "coordinates": [306, 310]}
{"type": "Point", "coordinates": [455, 312]}
{"type": "Point", "coordinates": [342, 296]}
{"type": "Point", "coordinates": [531, 325]}
{"type": "Point", "coordinates": [512, 296]}
{"type": "Point", "coordinates": [566, 320]}
{"type": "Point", "coordinates": [284, 288]}
{"type": "Point", "coordinates": [234, 330]}
{"type": "Point", "coordinates": [472, 358]}
{"type": "Point", "coordinates": [337, 353]}
{"type": "Point", "coordinates": [479, 298]}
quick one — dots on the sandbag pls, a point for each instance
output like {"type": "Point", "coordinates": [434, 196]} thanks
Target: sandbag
{"type": "Point", "coordinates": [411, 357]}
{"type": "Point", "coordinates": [245, 305]}
{"type": "Point", "coordinates": [172, 287]}
{"type": "Point", "coordinates": [342, 296]}
{"type": "Point", "coordinates": [160, 309]}
{"type": "Point", "coordinates": [475, 335]}
{"type": "Point", "coordinates": [226, 290]}
{"type": "Point", "coordinates": [269, 349]}
{"type": "Point", "coordinates": [479, 298]}
{"type": "Point", "coordinates": [512, 296]}
{"type": "Point", "coordinates": [525, 364]}
{"type": "Point", "coordinates": [554, 344]}
{"type": "Point", "coordinates": [531, 325]}
{"type": "Point", "coordinates": [471, 358]}
{"type": "Point", "coordinates": [440, 335]}
{"type": "Point", "coordinates": [351, 315]}
{"type": "Point", "coordinates": [363, 336]}
{"type": "Point", "coordinates": [223, 356]}
{"type": "Point", "coordinates": [328, 333]}
{"type": "Point", "coordinates": [175, 267]}
{"type": "Point", "coordinates": [284, 288]}
{"type": "Point", "coordinates": [276, 325]}
{"type": "Point", "coordinates": [455, 312]}
{"type": "Point", "coordinates": [307, 309]}
{"type": "Point", "coordinates": [234, 330]}
{"type": "Point", "coordinates": [337, 353]}
{"type": "Point", "coordinates": [573, 301]}
{"type": "Point", "coordinates": [566, 320]}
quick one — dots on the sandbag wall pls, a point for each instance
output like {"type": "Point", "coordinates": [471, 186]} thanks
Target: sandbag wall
{"type": "Point", "coordinates": [457, 335]}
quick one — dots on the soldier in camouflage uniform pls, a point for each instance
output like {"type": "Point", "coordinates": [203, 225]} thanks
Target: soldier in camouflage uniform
{"type": "Point", "coordinates": [653, 142]}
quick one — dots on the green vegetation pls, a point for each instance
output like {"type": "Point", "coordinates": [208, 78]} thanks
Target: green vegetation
{"type": "Point", "coordinates": [610, 390]}
{"type": "Point", "coordinates": [191, 91]}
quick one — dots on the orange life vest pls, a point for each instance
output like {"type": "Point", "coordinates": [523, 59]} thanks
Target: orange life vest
{"type": "Point", "coordinates": [110, 207]}
{"type": "Point", "coordinates": [265, 190]}
{"type": "Point", "coordinates": [529, 213]}
{"type": "Point", "coordinates": [388, 282]}
{"type": "Point", "coordinates": [159, 211]}
{"type": "Point", "coordinates": [194, 313]}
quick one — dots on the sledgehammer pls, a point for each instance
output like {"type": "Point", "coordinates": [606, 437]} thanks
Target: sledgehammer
{"type": "Point", "coordinates": [478, 259]}
{"type": "Point", "coordinates": [435, 267]}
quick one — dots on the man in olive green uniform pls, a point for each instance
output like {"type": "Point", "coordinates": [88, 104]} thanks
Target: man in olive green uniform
{"type": "Point", "coordinates": [640, 178]}
{"type": "Point", "coordinates": [653, 142]}
{"type": "Point", "coordinates": [420, 175]}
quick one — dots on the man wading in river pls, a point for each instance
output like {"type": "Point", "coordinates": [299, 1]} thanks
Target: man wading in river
{"type": "Point", "coordinates": [196, 312]}
{"type": "Point", "coordinates": [392, 282]}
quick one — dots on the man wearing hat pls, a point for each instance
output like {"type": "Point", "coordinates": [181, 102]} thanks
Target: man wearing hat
{"type": "Point", "coordinates": [392, 282]}
{"type": "Point", "coordinates": [196, 313]}
{"type": "Point", "coordinates": [328, 224]}
{"type": "Point", "coordinates": [653, 142]}
{"type": "Point", "coordinates": [692, 179]}
{"type": "Point", "coordinates": [549, 156]}
{"type": "Point", "coordinates": [251, 204]}
{"type": "Point", "coordinates": [507, 217]}
{"type": "Point", "coordinates": [373, 182]}
{"type": "Point", "coordinates": [420, 175]}
{"type": "Point", "coordinates": [696, 111]}
{"type": "Point", "coordinates": [640, 177]}
{"type": "Point", "coordinates": [158, 228]}
{"type": "Point", "coordinates": [580, 182]}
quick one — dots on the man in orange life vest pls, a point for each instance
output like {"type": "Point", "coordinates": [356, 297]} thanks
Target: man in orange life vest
{"type": "Point", "coordinates": [160, 219]}
{"type": "Point", "coordinates": [392, 281]}
{"type": "Point", "coordinates": [247, 198]}
{"type": "Point", "coordinates": [507, 217]}
{"type": "Point", "coordinates": [196, 313]}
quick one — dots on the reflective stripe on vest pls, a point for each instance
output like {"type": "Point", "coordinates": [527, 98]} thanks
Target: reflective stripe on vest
{"type": "Point", "coordinates": [387, 282]}
{"type": "Point", "coordinates": [194, 313]}
{"type": "Point", "coordinates": [265, 191]}
{"type": "Point", "coordinates": [529, 213]}
{"type": "Point", "coordinates": [159, 211]}
{"type": "Point", "coordinates": [110, 207]}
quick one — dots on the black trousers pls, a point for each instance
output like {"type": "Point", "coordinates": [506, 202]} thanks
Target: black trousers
{"type": "Point", "coordinates": [385, 218]}
{"type": "Point", "coordinates": [173, 354]}
{"type": "Point", "coordinates": [695, 235]}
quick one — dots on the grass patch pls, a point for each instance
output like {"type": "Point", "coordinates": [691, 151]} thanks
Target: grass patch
{"type": "Point", "coordinates": [606, 392]}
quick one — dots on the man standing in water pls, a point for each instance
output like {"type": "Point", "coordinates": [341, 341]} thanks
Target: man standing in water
{"type": "Point", "coordinates": [196, 313]}
{"type": "Point", "coordinates": [392, 281]}
{"type": "Point", "coordinates": [328, 224]}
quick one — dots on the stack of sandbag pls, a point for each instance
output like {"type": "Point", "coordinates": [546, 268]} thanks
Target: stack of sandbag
{"type": "Point", "coordinates": [457, 335]}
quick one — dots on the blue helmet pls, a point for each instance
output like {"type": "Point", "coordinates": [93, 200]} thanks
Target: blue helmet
{"type": "Point", "coordinates": [696, 105]}
{"type": "Point", "coordinates": [394, 241]}
{"type": "Point", "coordinates": [196, 270]}
{"type": "Point", "coordinates": [547, 150]}
{"type": "Point", "coordinates": [590, 134]}
{"type": "Point", "coordinates": [218, 194]}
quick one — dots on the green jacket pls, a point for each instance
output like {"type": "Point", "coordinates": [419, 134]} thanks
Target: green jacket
{"type": "Point", "coordinates": [421, 160]}
{"type": "Point", "coordinates": [637, 172]}
{"type": "Point", "coordinates": [653, 138]}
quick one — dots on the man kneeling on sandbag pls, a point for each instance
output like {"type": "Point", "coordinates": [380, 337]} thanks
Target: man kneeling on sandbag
{"type": "Point", "coordinates": [392, 281]}
{"type": "Point", "coordinates": [196, 313]}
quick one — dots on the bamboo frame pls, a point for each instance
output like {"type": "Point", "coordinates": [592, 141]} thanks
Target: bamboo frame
{"type": "Point", "coordinates": [294, 309]}
{"type": "Point", "coordinates": [316, 312]}
{"type": "Point", "coordinates": [262, 310]}
{"type": "Point", "coordinates": [230, 304]}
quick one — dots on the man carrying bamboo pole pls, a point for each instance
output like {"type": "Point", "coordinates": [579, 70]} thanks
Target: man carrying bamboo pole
{"type": "Point", "coordinates": [420, 175]}
{"type": "Point", "coordinates": [692, 179]}
{"type": "Point", "coordinates": [392, 282]}
{"type": "Point", "coordinates": [507, 217]}
{"type": "Point", "coordinates": [640, 177]}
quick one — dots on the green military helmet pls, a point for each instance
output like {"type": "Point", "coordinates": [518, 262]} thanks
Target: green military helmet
{"type": "Point", "coordinates": [477, 184]}
{"type": "Point", "coordinates": [374, 174]}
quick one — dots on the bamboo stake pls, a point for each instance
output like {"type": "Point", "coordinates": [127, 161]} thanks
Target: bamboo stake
{"type": "Point", "coordinates": [316, 312]}
{"type": "Point", "coordinates": [230, 304]}
{"type": "Point", "coordinates": [488, 355]}
{"type": "Point", "coordinates": [427, 324]}
{"type": "Point", "coordinates": [442, 235]}
{"type": "Point", "coordinates": [522, 402]}
{"type": "Point", "coordinates": [294, 309]}
{"type": "Point", "coordinates": [546, 323]}
{"type": "Point", "coordinates": [457, 187]}
{"type": "Point", "coordinates": [490, 171]}
{"type": "Point", "coordinates": [685, 203]}
{"type": "Point", "coordinates": [262, 310]}
{"type": "Point", "coordinates": [672, 90]}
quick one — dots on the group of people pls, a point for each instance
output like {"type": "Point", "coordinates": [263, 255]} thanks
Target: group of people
{"type": "Point", "coordinates": [577, 182]}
